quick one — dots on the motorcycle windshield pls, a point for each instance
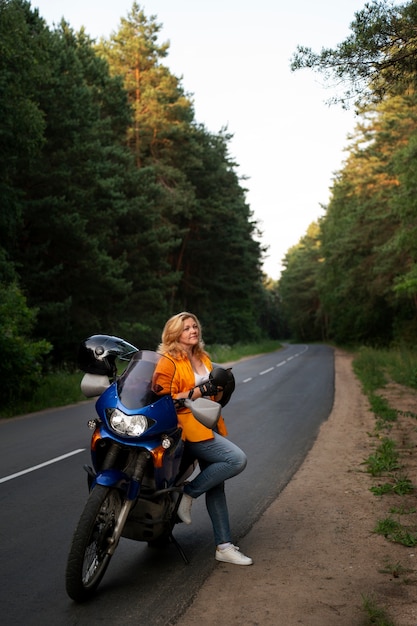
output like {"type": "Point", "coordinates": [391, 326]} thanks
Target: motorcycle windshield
{"type": "Point", "coordinates": [137, 386]}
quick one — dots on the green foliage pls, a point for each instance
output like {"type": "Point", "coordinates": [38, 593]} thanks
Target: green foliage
{"type": "Point", "coordinates": [375, 367]}
{"type": "Point", "coordinates": [400, 485]}
{"type": "Point", "coordinates": [271, 317]}
{"type": "Point", "coordinates": [22, 64]}
{"type": "Point", "coordinates": [404, 243]}
{"type": "Point", "coordinates": [401, 510]}
{"type": "Point", "coordinates": [385, 458]}
{"type": "Point", "coordinates": [53, 389]}
{"type": "Point", "coordinates": [22, 358]}
{"type": "Point", "coordinates": [375, 615]}
{"type": "Point", "coordinates": [362, 278]}
{"type": "Point", "coordinates": [364, 282]}
{"type": "Point", "coordinates": [299, 290]}
{"type": "Point", "coordinates": [118, 209]}
{"type": "Point", "coordinates": [369, 365]}
{"type": "Point", "coordinates": [62, 387]}
{"type": "Point", "coordinates": [206, 258]}
{"type": "Point", "coordinates": [221, 353]}
{"type": "Point", "coordinates": [401, 364]}
{"type": "Point", "coordinates": [397, 533]}
{"type": "Point", "coordinates": [377, 58]}
{"type": "Point", "coordinates": [381, 408]}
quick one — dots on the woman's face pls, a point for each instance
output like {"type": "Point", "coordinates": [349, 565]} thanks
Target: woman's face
{"type": "Point", "coordinates": [190, 335]}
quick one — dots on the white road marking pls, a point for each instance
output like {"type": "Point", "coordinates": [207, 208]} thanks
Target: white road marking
{"type": "Point", "coordinates": [290, 358]}
{"type": "Point", "coordinates": [36, 467]}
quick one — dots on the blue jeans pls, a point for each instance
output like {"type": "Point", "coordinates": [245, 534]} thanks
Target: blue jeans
{"type": "Point", "coordinates": [219, 459]}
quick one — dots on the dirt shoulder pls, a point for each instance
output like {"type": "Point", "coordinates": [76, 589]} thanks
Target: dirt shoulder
{"type": "Point", "coordinates": [315, 554]}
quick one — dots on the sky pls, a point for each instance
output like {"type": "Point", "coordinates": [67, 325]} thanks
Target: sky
{"type": "Point", "coordinates": [233, 59]}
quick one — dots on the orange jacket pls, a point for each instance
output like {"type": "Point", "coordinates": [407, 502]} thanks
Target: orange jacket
{"type": "Point", "coordinates": [184, 380]}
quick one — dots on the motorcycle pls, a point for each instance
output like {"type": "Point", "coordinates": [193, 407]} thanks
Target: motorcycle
{"type": "Point", "coordinates": [138, 462]}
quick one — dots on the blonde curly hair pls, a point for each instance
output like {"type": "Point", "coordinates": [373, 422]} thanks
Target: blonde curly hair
{"type": "Point", "coordinates": [172, 332]}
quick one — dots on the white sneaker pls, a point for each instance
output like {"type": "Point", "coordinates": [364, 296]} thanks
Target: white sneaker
{"type": "Point", "coordinates": [232, 554]}
{"type": "Point", "coordinates": [184, 509]}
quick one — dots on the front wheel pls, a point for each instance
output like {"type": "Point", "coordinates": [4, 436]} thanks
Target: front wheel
{"type": "Point", "coordinates": [88, 558]}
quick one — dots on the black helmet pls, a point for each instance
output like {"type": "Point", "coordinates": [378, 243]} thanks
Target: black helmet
{"type": "Point", "coordinates": [223, 378]}
{"type": "Point", "coordinates": [97, 354]}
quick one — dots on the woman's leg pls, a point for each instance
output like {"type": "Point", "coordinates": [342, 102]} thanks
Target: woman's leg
{"type": "Point", "coordinates": [219, 459]}
{"type": "Point", "coordinates": [217, 509]}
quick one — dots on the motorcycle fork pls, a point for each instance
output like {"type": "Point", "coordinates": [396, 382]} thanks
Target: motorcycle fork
{"type": "Point", "coordinates": [131, 496]}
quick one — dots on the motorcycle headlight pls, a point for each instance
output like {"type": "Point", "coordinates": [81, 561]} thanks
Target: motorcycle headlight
{"type": "Point", "coordinates": [130, 425]}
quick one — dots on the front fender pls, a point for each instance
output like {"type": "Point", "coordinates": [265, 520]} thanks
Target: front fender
{"type": "Point", "coordinates": [118, 480]}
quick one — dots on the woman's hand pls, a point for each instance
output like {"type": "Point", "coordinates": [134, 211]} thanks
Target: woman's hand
{"type": "Point", "coordinates": [209, 389]}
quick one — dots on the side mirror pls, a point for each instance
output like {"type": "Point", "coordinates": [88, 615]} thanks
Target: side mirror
{"type": "Point", "coordinates": [94, 385]}
{"type": "Point", "coordinates": [206, 411]}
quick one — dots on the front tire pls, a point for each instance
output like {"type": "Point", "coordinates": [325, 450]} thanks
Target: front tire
{"type": "Point", "coordinates": [88, 558]}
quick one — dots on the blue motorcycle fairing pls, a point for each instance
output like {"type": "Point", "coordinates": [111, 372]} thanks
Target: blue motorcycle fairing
{"type": "Point", "coordinates": [119, 480]}
{"type": "Point", "coordinates": [135, 393]}
{"type": "Point", "coordinates": [162, 412]}
{"type": "Point", "coordinates": [149, 443]}
{"type": "Point", "coordinates": [172, 457]}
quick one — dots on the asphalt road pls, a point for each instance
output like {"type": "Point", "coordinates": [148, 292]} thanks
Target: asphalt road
{"type": "Point", "coordinates": [280, 401]}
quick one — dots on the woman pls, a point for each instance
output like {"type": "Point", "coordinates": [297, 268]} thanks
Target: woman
{"type": "Point", "coordinates": [218, 458]}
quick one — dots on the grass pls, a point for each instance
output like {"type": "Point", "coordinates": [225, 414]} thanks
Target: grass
{"type": "Point", "coordinates": [384, 459]}
{"type": "Point", "coordinates": [225, 354]}
{"type": "Point", "coordinates": [375, 368]}
{"type": "Point", "coordinates": [396, 532]}
{"type": "Point", "coordinates": [382, 409]}
{"type": "Point", "coordinates": [396, 570]}
{"type": "Point", "coordinates": [375, 615]}
{"type": "Point", "coordinates": [400, 485]}
{"type": "Point", "coordinates": [57, 389]}
{"type": "Point", "coordinates": [369, 367]}
{"type": "Point", "coordinates": [62, 388]}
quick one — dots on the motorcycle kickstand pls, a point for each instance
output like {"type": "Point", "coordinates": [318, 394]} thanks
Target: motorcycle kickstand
{"type": "Point", "coordinates": [179, 548]}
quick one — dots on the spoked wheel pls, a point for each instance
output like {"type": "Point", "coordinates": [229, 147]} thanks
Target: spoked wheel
{"type": "Point", "coordinates": [88, 558]}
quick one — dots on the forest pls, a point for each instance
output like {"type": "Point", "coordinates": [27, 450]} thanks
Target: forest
{"type": "Point", "coordinates": [352, 278]}
{"type": "Point", "coordinates": [119, 208]}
